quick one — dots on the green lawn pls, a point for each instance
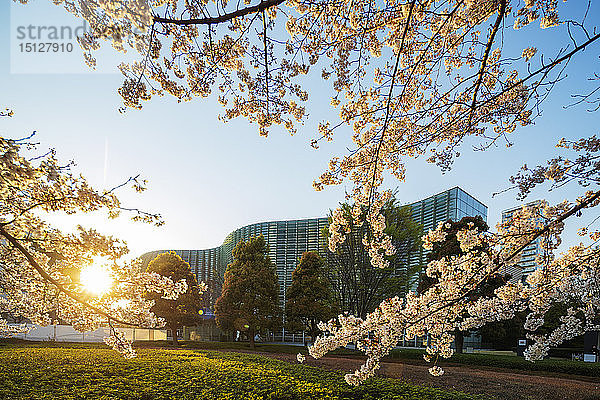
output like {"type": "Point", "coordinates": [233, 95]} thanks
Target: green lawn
{"type": "Point", "coordinates": [414, 356]}
{"type": "Point", "coordinates": [488, 359]}
{"type": "Point", "coordinates": [94, 373]}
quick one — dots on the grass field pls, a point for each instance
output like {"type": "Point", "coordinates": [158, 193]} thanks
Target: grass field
{"type": "Point", "coordinates": [39, 372]}
{"type": "Point", "coordinates": [511, 362]}
{"type": "Point", "coordinates": [414, 356]}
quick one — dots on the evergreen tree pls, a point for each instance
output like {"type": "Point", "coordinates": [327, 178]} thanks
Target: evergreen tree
{"type": "Point", "coordinates": [309, 297]}
{"type": "Point", "coordinates": [185, 310]}
{"type": "Point", "coordinates": [250, 294]}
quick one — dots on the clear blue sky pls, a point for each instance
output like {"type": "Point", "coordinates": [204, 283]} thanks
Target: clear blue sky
{"type": "Point", "coordinates": [208, 178]}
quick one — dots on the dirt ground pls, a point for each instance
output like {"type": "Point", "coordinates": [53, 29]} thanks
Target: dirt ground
{"type": "Point", "coordinates": [498, 383]}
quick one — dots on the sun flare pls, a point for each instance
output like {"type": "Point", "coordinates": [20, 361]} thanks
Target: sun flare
{"type": "Point", "coordinates": [96, 279]}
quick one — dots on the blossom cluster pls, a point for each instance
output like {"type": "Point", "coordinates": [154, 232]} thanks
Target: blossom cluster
{"type": "Point", "coordinates": [119, 342]}
{"type": "Point", "coordinates": [8, 330]}
{"type": "Point", "coordinates": [40, 272]}
{"type": "Point", "coordinates": [572, 278]}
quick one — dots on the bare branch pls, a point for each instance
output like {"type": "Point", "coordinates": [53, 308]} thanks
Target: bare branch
{"type": "Point", "coordinates": [263, 5]}
{"type": "Point", "coordinates": [264, 17]}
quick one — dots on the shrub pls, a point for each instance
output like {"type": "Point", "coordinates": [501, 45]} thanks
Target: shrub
{"type": "Point", "coordinates": [510, 362]}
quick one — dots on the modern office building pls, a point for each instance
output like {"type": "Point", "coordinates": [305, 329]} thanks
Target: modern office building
{"type": "Point", "coordinates": [527, 262]}
{"type": "Point", "coordinates": [287, 240]}
{"type": "Point", "coordinates": [452, 204]}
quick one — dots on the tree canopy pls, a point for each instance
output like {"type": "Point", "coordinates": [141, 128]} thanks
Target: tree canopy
{"type": "Point", "coordinates": [47, 275]}
{"type": "Point", "coordinates": [310, 298]}
{"type": "Point", "coordinates": [359, 287]}
{"type": "Point", "coordinates": [410, 78]}
{"type": "Point", "coordinates": [186, 308]}
{"type": "Point", "coordinates": [249, 300]}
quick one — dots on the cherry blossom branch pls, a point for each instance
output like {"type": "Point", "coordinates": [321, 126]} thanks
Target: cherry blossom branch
{"type": "Point", "coordinates": [146, 58]}
{"type": "Point", "coordinates": [389, 101]}
{"type": "Point", "coordinates": [534, 236]}
{"type": "Point", "coordinates": [264, 17]}
{"type": "Point", "coordinates": [486, 55]}
{"type": "Point", "coordinates": [544, 68]}
{"type": "Point", "coordinates": [50, 279]}
{"type": "Point", "coordinates": [130, 179]}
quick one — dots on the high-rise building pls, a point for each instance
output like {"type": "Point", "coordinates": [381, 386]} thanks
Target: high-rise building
{"type": "Point", "coordinates": [287, 240]}
{"type": "Point", "coordinates": [527, 262]}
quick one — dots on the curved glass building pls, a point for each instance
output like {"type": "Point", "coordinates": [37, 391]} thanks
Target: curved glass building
{"type": "Point", "coordinates": [287, 240]}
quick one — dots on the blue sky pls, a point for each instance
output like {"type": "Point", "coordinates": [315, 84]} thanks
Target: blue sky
{"type": "Point", "coordinates": [208, 178]}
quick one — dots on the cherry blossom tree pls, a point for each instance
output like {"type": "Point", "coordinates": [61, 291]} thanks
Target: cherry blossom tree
{"type": "Point", "coordinates": [410, 78]}
{"type": "Point", "coordinates": [450, 246]}
{"type": "Point", "coordinates": [49, 276]}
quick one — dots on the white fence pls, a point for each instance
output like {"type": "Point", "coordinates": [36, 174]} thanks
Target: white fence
{"type": "Point", "coordinates": [66, 333]}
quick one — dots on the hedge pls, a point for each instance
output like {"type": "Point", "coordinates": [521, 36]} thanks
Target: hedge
{"type": "Point", "coordinates": [510, 362]}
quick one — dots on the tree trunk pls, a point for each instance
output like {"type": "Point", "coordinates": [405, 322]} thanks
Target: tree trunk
{"type": "Point", "coordinates": [251, 337]}
{"type": "Point", "coordinates": [174, 334]}
{"type": "Point", "coordinates": [459, 340]}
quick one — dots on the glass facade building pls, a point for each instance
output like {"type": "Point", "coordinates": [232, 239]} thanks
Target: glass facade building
{"type": "Point", "coordinates": [287, 240]}
{"type": "Point", "coordinates": [452, 204]}
{"type": "Point", "coordinates": [527, 262]}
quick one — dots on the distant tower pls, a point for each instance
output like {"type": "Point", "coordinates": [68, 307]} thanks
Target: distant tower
{"type": "Point", "coordinates": [527, 264]}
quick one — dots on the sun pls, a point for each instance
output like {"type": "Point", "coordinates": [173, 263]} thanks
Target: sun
{"type": "Point", "coordinates": [96, 279]}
